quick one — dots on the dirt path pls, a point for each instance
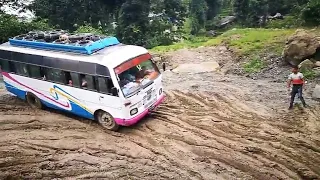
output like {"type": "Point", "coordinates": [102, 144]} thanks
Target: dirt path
{"type": "Point", "coordinates": [211, 126]}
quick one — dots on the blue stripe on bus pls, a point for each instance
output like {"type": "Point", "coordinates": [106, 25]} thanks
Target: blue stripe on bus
{"type": "Point", "coordinates": [20, 93]}
{"type": "Point", "coordinates": [75, 109]}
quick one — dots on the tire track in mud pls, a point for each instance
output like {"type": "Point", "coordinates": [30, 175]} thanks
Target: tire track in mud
{"type": "Point", "coordinates": [191, 136]}
{"type": "Point", "coordinates": [265, 153]}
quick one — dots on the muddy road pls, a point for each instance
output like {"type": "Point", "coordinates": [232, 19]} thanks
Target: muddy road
{"type": "Point", "coordinates": [211, 126]}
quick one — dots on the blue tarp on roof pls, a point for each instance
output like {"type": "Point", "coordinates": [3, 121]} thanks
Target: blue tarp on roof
{"type": "Point", "coordinates": [88, 49]}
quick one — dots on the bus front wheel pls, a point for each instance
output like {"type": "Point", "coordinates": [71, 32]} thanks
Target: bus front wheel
{"type": "Point", "coordinates": [34, 101]}
{"type": "Point", "coordinates": [107, 121]}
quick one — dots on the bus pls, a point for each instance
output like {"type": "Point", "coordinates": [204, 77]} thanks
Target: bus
{"type": "Point", "coordinates": [114, 84]}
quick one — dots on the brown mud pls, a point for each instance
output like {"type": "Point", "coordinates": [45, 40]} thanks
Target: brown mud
{"type": "Point", "coordinates": [211, 126]}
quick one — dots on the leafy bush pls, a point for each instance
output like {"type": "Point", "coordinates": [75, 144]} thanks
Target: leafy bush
{"type": "Point", "coordinates": [160, 40]}
{"type": "Point", "coordinates": [287, 22]}
{"type": "Point", "coordinates": [10, 26]}
{"type": "Point", "coordinates": [311, 13]}
{"type": "Point", "coordinates": [309, 73]}
{"type": "Point", "coordinates": [89, 29]}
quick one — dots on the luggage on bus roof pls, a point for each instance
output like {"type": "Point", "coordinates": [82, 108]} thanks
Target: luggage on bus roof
{"type": "Point", "coordinates": [84, 43]}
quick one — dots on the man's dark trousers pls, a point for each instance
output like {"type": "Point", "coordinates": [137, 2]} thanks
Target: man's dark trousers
{"type": "Point", "coordinates": [297, 89]}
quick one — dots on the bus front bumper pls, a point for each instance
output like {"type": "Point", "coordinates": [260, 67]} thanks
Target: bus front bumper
{"type": "Point", "coordinates": [134, 120]}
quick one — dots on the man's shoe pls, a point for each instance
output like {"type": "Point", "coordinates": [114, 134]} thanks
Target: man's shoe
{"type": "Point", "coordinates": [290, 108]}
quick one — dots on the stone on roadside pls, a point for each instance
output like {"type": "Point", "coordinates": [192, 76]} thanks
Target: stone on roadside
{"type": "Point", "coordinates": [306, 64]}
{"type": "Point", "coordinates": [317, 64]}
{"type": "Point", "coordinates": [316, 93]}
{"type": "Point", "coordinates": [299, 46]}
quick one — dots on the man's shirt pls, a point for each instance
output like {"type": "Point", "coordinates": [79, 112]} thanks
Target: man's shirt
{"type": "Point", "coordinates": [296, 78]}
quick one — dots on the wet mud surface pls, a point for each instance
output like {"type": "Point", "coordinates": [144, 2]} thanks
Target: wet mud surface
{"type": "Point", "coordinates": [211, 126]}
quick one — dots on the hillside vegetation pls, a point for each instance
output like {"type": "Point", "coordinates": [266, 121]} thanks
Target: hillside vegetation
{"type": "Point", "coordinates": [184, 23]}
{"type": "Point", "coordinates": [245, 42]}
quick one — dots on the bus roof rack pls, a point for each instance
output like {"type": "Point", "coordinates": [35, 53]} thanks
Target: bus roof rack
{"type": "Point", "coordinates": [61, 41]}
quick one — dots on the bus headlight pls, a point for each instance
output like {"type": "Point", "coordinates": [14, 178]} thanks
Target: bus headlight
{"type": "Point", "coordinates": [133, 111]}
{"type": "Point", "coordinates": [160, 91]}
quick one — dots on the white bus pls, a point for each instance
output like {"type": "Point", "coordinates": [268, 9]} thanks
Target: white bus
{"type": "Point", "coordinates": [116, 85]}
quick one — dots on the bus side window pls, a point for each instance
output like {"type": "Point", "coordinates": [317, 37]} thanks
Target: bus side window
{"type": "Point", "coordinates": [75, 79]}
{"type": "Point", "coordinates": [55, 75]}
{"type": "Point", "coordinates": [5, 65]}
{"type": "Point", "coordinates": [12, 67]}
{"type": "Point", "coordinates": [105, 85]}
{"type": "Point", "coordinates": [87, 82]}
{"type": "Point", "coordinates": [102, 84]}
{"type": "Point", "coordinates": [21, 69]}
{"type": "Point", "coordinates": [35, 72]}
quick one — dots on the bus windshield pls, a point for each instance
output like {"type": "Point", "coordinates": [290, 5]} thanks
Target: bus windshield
{"type": "Point", "coordinates": [136, 73]}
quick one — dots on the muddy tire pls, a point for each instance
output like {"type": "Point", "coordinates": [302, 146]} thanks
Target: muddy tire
{"type": "Point", "coordinates": [34, 101]}
{"type": "Point", "coordinates": [107, 121]}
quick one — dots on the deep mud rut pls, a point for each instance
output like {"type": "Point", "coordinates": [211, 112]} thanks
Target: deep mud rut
{"type": "Point", "coordinates": [211, 126]}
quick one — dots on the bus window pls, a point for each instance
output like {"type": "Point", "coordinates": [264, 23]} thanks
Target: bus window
{"type": "Point", "coordinates": [105, 85]}
{"type": "Point", "coordinates": [4, 65]}
{"type": "Point", "coordinates": [12, 67]}
{"type": "Point", "coordinates": [87, 82]}
{"type": "Point", "coordinates": [75, 79]}
{"type": "Point", "coordinates": [21, 69]}
{"type": "Point", "coordinates": [35, 71]}
{"type": "Point", "coordinates": [55, 75]}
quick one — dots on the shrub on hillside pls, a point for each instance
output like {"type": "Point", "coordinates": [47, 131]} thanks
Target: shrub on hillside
{"type": "Point", "coordinates": [10, 26]}
{"type": "Point", "coordinates": [311, 13]}
{"type": "Point", "coordinates": [287, 22]}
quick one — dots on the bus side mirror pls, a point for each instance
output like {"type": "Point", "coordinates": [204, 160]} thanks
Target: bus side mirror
{"type": "Point", "coordinates": [114, 91]}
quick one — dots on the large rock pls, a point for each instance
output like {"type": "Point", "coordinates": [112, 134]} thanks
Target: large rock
{"type": "Point", "coordinates": [306, 64]}
{"type": "Point", "coordinates": [300, 46]}
{"type": "Point", "coordinates": [316, 93]}
{"type": "Point", "coordinates": [317, 64]}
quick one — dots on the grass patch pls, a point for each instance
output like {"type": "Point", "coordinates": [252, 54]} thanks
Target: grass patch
{"type": "Point", "coordinates": [309, 73]}
{"type": "Point", "coordinates": [254, 65]}
{"type": "Point", "coordinates": [192, 42]}
{"type": "Point", "coordinates": [249, 41]}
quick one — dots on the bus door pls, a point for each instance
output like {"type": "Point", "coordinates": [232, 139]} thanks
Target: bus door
{"type": "Point", "coordinates": [106, 97]}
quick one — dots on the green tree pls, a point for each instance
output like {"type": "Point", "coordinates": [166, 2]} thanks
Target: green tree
{"type": "Point", "coordinates": [133, 24]}
{"type": "Point", "coordinates": [10, 26]}
{"type": "Point", "coordinates": [248, 12]}
{"type": "Point", "coordinates": [198, 15]}
{"type": "Point", "coordinates": [70, 14]}
{"type": "Point", "coordinates": [311, 13]}
{"type": "Point", "coordinates": [241, 10]}
{"type": "Point", "coordinates": [213, 8]}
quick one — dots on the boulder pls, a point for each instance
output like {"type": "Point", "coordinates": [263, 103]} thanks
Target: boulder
{"type": "Point", "coordinates": [306, 64]}
{"type": "Point", "coordinates": [300, 46]}
{"type": "Point", "coordinates": [316, 93]}
{"type": "Point", "coordinates": [211, 33]}
{"type": "Point", "coordinates": [317, 64]}
{"type": "Point", "coordinates": [226, 20]}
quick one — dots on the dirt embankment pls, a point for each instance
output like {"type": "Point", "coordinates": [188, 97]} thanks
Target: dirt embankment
{"type": "Point", "coordinates": [212, 126]}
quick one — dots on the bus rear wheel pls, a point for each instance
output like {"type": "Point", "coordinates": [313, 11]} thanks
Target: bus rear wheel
{"type": "Point", "coordinates": [34, 101]}
{"type": "Point", "coordinates": [107, 121]}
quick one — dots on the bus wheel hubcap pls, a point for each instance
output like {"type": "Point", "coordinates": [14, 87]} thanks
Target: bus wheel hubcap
{"type": "Point", "coordinates": [106, 120]}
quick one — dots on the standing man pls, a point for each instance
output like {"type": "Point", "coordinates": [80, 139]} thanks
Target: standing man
{"type": "Point", "coordinates": [297, 81]}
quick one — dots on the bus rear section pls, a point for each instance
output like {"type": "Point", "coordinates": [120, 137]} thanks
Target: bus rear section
{"type": "Point", "coordinates": [140, 83]}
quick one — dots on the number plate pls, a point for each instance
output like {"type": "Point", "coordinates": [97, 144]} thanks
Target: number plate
{"type": "Point", "coordinates": [150, 103]}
